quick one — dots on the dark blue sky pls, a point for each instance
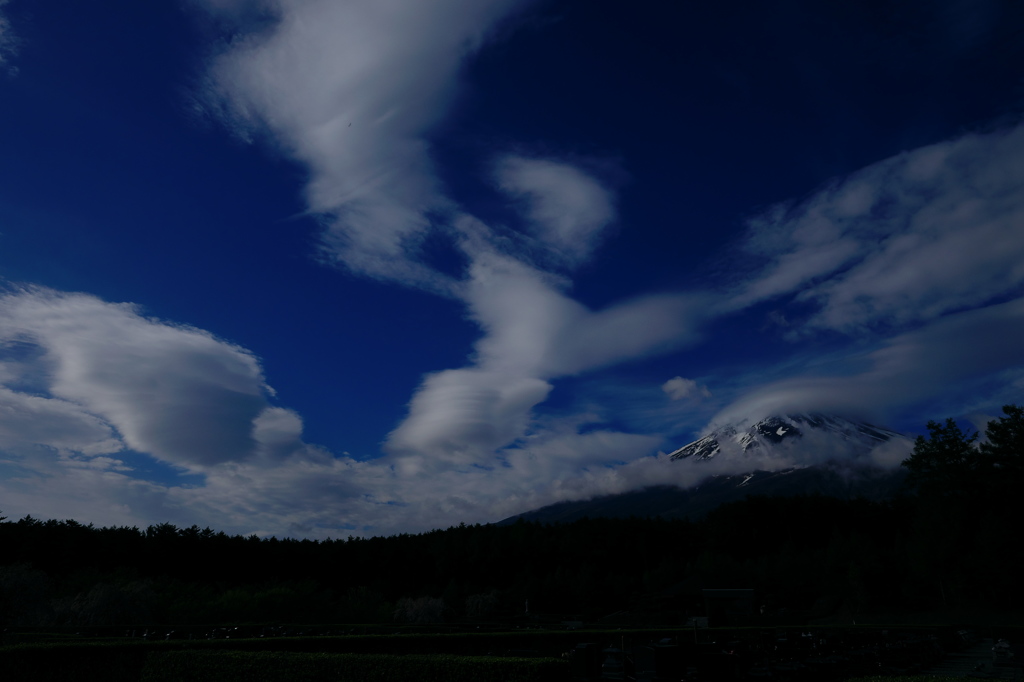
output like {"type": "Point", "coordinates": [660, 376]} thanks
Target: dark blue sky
{"type": "Point", "coordinates": [291, 266]}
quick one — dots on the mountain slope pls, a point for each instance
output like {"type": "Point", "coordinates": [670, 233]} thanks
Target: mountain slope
{"type": "Point", "coordinates": [670, 502]}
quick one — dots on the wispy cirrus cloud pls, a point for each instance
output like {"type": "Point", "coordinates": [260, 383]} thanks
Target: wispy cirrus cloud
{"type": "Point", "coordinates": [8, 42]}
{"type": "Point", "coordinates": [350, 90]}
{"type": "Point", "coordinates": [911, 368]}
{"type": "Point", "coordinates": [908, 239]}
{"type": "Point", "coordinates": [920, 256]}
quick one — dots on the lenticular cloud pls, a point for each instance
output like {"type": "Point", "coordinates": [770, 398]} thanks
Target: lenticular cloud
{"type": "Point", "coordinates": [176, 392]}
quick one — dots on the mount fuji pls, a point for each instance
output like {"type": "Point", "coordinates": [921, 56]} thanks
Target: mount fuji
{"type": "Point", "coordinates": [823, 433]}
{"type": "Point", "coordinates": [804, 453]}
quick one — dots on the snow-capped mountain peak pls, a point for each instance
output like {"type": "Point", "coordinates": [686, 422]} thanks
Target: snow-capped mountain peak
{"type": "Point", "coordinates": [788, 432]}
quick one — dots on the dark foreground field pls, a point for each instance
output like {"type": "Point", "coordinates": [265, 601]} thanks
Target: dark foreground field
{"type": "Point", "coordinates": [526, 654]}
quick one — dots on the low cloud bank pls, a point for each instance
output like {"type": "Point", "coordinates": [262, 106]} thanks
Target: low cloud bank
{"type": "Point", "coordinates": [94, 394]}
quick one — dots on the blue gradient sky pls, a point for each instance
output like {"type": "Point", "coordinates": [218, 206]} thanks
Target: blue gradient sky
{"type": "Point", "coordinates": [310, 267]}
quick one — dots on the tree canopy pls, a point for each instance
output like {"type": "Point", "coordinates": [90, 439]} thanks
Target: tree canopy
{"type": "Point", "coordinates": [945, 462]}
{"type": "Point", "coordinates": [950, 463]}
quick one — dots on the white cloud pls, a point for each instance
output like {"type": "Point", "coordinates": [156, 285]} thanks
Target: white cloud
{"type": "Point", "coordinates": [52, 484]}
{"type": "Point", "coordinates": [678, 388]}
{"type": "Point", "coordinates": [907, 239]}
{"type": "Point", "coordinates": [568, 208]}
{"type": "Point", "coordinates": [349, 89]}
{"type": "Point", "coordinates": [532, 327]}
{"type": "Point", "coordinates": [176, 392]}
{"type": "Point", "coordinates": [533, 333]}
{"type": "Point", "coordinates": [464, 415]}
{"type": "Point", "coordinates": [277, 432]}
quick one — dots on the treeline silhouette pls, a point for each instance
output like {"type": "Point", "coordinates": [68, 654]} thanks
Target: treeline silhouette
{"type": "Point", "coordinates": [951, 542]}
